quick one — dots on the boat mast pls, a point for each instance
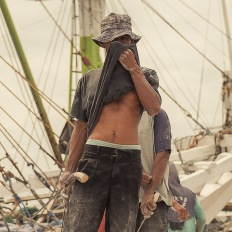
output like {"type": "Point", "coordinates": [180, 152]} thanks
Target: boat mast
{"type": "Point", "coordinates": [29, 76]}
{"type": "Point", "coordinates": [91, 13]}
{"type": "Point", "coordinates": [74, 67]}
{"type": "Point", "coordinates": [227, 83]}
{"type": "Point", "coordinates": [89, 17]}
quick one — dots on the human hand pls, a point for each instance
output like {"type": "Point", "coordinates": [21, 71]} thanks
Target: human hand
{"type": "Point", "coordinates": [67, 181]}
{"type": "Point", "coordinates": [183, 213]}
{"type": "Point", "coordinates": [127, 59]}
{"type": "Point", "coordinates": [64, 177]}
{"type": "Point", "coordinates": [65, 188]}
{"type": "Point", "coordinates": [148, 205]}
{"type": "Point", "coordinates": [146, 178]}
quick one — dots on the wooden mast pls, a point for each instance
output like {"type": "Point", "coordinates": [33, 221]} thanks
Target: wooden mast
{"type": "Point", "coordinates": [86, 21]}
{"type": "Point", "coordinates": [29, 76]}
{"type": "Point", "coordinates": [91, 13]}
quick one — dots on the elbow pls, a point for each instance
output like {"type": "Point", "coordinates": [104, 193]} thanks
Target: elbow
{"type": "Point", "coordinates": [154, 110]}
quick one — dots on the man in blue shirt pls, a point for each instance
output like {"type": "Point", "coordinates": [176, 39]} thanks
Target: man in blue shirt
{"type": "Point", "coordinates": [155, 142]}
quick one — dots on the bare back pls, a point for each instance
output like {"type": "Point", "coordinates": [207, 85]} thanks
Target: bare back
{"type": "Point", "coordinates": [118, 122]}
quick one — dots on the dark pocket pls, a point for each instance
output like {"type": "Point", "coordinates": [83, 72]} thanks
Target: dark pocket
{"type": "Point", "coordinates": [176, 225]}
{"type": "Point", "coordinates": [88, 166]}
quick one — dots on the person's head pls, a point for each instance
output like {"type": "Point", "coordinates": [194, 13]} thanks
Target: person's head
{"type": "Point", "coordinates": [116, 27]}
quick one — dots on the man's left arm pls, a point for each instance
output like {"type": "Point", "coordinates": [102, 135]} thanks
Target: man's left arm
{"type": "Point", "coordinates": [148, 97]}
{"type": "Point", "coordinates": [162, 144]}
{"type": "Point", "coordinates": [159, 168]}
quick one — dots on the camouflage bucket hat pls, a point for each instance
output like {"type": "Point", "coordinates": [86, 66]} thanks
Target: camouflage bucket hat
{"type": "Point", "coordinates": [113, 26]}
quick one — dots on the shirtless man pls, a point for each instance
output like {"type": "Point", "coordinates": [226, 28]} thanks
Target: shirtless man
{"type": "Point", "coordinates": [109, 153]}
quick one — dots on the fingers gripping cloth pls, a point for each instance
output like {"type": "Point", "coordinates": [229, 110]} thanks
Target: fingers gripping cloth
{"type": "Point", "coordinates": [113, 78]}
{"type": "Point", "coordinates": [156, 196]}
{"type": "Point", "coordinates": [80, 176]}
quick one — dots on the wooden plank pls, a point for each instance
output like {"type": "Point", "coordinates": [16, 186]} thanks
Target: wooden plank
{"type": "Point", "coordinates": [209, 189]}
{"type": "Point", "coordinates": [27, 198]}
{"type": "Point", "coordinates": [34, 182]}
{"type": "Point", "coordinates": [216, 200]}
{"type": "Point", "coordinates": [194, 154]}
{"type": "Point", "coordinates": [49, 207]}
{"type": "Point", "coordinates": [55, 211]}
{"type": "Point", "coordinates": [196, 180]}
{"type": "Point", "coordinates": [184, 143]}
{"type": "Point", "coordinates": [224, 216]}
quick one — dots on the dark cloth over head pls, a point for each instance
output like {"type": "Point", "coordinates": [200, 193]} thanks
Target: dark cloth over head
{"type": "Point", "coordinates": [101, 86]}
{"type": "Point", "coordinates": [182, 195]}
{"type": "Point", "coordinates": [114, 81]}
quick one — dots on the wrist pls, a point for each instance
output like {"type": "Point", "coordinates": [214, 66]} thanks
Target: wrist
{"type": "Point", "coordinates": [70, 167]}
{"type": "Point", "coordinates": [65, 175]}
{"type": "Point", "coordinates": [135, 70]}
{"type": "Point", "coordinates": [150, 190]}
{"type": "Point", "coordinates": [66, 172]}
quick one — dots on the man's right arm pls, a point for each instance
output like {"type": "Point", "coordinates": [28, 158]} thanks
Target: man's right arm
{"type": "Point", "coordinates": [148, 97]}
{"type": "Point", "coordinates": [76, 147]}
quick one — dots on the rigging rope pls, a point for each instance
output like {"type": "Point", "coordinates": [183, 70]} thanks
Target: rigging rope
{"type": "Point", "coordinates": [6, 176]}
{"type": "Point", "coordinates": [198, 31]}
{"type": "Point", "coordinates": [164, 79]}
{"type": "Point", "coordinates": [202, 75]}
{"type": "Point", "coordinates": [45, 183]}
{"type": "Point", "coordinates": [19, 83]}
{"type": "Point", "coordinates": [25, 106]}
{"type": "Point", "coordinates": [4, 220]}
{"type": "Point", "coordinates": [14, 164]}
{"type": "Point", "coordinates": [30, 220]}
{"type": "Point", "coordinates": [26, 184]}
{"type": "Point", "coordinates": [26, 155]}
{"type": "Point", "coordinates": [44, 96]}
{"type": "Point", "coordinates": [57, 70]}
{"type": "Point", "coordinates": [174, 100]}
{"type": "Point", "coordinates": [206, 20]}
{"type": "Point", "coordinates": [187, 113]}
{"type": "Point", "coordinates": [212, 63]}
{"type": "Point", "coordinates": [43, 149]}
{"type": "Point", "coordinates": [84, 59]}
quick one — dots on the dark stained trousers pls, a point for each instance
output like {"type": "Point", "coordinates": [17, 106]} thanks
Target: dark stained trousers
{"type": "Point", "coordinates": [158, 222]}
{"type": "Point", "coordinates": [114, 180]}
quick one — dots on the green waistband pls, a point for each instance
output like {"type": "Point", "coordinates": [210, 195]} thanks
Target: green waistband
{"type": "Point", "coordinates": [97, 142]}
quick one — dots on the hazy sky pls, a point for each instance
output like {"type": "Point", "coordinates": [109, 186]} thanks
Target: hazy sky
{"type": "Point", "coordinates": [182, 71]}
